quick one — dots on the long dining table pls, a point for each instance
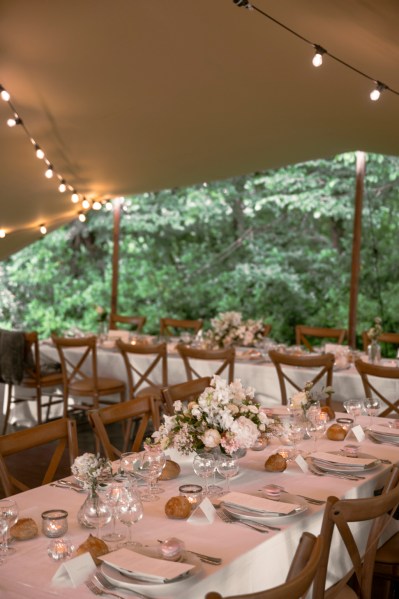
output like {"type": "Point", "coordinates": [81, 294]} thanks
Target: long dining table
{"type": "Point", "coordinates": [251, 561]}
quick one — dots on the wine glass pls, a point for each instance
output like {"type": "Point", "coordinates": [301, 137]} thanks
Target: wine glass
{"type": "Point", "coordinates": [317, 428]}
{"type": "Point", "coordinates": [354, 408]}
{"type": "Point", "coordinates": [204, 466]}
{"type": "Point", "coordinates": [129, 510]}
{"type": "Point", "coordinates": [112, 497]}
{"type": "Point", "coordinates": [161, 457]}
{"type": "Point", "coordinates": [228, 467]}
{"type": "Point", "coordinates": [372, 407]}
{"type": "Point", "coordinates": [9, 513]}
{"type": "Point", "coordinates": [148, 465]}
{"type": "Point", "coordinates": [295, 432]}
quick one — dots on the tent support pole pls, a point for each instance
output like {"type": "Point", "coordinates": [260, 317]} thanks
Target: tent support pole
{"type": "Point", "coordinates": [115, 254]}
{"type": "Point", "coordinates": [357, 234]}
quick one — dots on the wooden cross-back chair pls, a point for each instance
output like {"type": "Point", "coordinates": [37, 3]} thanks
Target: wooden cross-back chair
{"type": "Point", "coordinates": [188, 391]}
{"type": "Point", "coordinates": [300, 576]}
{"type": "Point", "coordinates": [140, 410]}
{"type": "Point", "coordinates": [78, 359]}
{"type": "Point", "coordinates": [225, 357]}
{"type": "Point", "coordinates": [266, 329]}
{"type": "Point", "coordinates": [338, 515]}
{"type": "Point", "coordinates": [61, 433]}
{"type": "Point", "coordinates": [42, 379]}
{"type": "Point", "coordinates": [135, 323]}
{"type": "Point", "coordinates": [325, 363]}
{"type": "Point", "coordinates": [302, 332]}
{"type": "Point", "coordinates": [147, 379]}
{"type": "Point", "coordinates": [389, 338]}
{"type": "Point", "coordinates": [168, 326]}
{"type": "Point", "coordinates": [370, 373]}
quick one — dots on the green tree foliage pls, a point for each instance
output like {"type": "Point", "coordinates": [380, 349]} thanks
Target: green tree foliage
{"type": "Point", "coordinates": [274, 245]}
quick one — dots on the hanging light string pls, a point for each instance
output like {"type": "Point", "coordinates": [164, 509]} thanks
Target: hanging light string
{"type": "Point", "coordinates": [16, 121]}
{"type": "Point", "coordinates": [317, 61]}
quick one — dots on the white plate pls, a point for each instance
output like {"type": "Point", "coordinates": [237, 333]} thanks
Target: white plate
{"type": "Point", "coordinates": [270, 518]}
{"type": "Point", "coordinates": [154, 589]}
{"type": "Point", "coordinates": [346, 468]}
{"type": "Point", "coordinates": [384, 438]}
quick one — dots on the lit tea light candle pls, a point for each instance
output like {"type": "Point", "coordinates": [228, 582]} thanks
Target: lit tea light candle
{"type": "Point", "coordinates": [193, 493]}
{"type": "Point", "coordinates": [60, 549]}
{"type": "Point", "coordinates": [54, 523]}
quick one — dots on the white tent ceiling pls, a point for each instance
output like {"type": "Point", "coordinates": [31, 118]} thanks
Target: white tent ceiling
{"type": "Point", "coordinates": [127, 96]}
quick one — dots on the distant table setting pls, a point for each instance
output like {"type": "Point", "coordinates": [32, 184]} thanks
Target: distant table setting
{"type": "Point", "coordinates": [256, 519]}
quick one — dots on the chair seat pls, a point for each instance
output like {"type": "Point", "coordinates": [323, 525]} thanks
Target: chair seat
{"type": "Point", "coordinates": [346, 593]}
{"type": "Point", "coordinates": [153, 390]}
{"type": "Point", "coordinates": [389, 552]}
{"type": "Point", "coordinates": [104, 385]}
{"type": "Point", "coordinates": [48, 380]}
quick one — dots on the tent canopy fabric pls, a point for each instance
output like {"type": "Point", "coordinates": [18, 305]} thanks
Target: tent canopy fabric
{"type": "Point", "coordinates": [131, 96]}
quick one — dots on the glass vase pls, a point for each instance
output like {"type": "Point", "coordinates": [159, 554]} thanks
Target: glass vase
{"type": "Point", "coordinates": [374, 352]}
{"type": "Point", "coordinates": [95, 512]}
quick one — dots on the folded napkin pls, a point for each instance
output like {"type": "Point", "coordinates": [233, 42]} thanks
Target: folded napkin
{"type": "Point", "coordinates": [384, 430]}
{"type": "Point", "coordinates": [259, 505]}
{"type": "Point", "coordinates": [149, 569]}
{"type": "Point", "coordinates": [341, 460]}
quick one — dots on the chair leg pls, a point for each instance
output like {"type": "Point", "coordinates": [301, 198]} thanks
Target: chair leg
{"type": "Point", "coordinates": [39, 405]}
{"type": "Point", "coordinates": [8, 407]}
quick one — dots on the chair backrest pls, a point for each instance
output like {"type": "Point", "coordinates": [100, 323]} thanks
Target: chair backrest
{"type": "Point", "coordinates": [144, 376]}
{"type": "Point", "coordinates": [141, 410]}
{"type": "Point", "coordinates": [135, 323]}
{"type": "Point", "coordinates": [76, 364]}
{"type": "Point", "coordinates": [224, 356]}
{"type": "Point", "coordinates": [62, 432]}
{"type": "Point", "coordinates": [325, 363]}
{"type": "Point", "coordinates": [266, 329]}
{"type": "Point", "coordinates": [338, 514]}
{"type": "Point", "coordinates": [302, 332]}
{"type": "Point", "coordinates": [300, 576]}
{"type": "Point", "coordinates": [168, 324]}
{"type": "Point", "coordinates": [188, 391]}
{"type": "Point", "coordinates": [371, 387]}
{"type": "Point", "coordinates": [390, 338]}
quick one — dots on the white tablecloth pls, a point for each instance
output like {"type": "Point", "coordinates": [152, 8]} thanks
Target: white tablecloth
{"type": "Point", "coordinates": [251, 561]}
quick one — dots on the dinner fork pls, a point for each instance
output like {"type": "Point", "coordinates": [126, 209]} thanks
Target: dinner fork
{"type": "Point", "coordinates": [97, 591]}
{"type": "Point", "coordinates": [108, 585]}
{"type": "Point", "coordinates": [318, 472]}
{"type": "Point", "coordinates": [260, 527]}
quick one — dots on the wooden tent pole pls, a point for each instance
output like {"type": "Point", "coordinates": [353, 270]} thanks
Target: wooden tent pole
{"type": "Point", "coordinates": [115, 254]}
{"type": "Point", "coordinates": [356, 244]}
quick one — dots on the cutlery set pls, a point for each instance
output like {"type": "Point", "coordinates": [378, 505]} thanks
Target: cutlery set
{"type": "Point", "coordinates": [259, 526]}
{"type": "Point", "coordinates": [319, 472]}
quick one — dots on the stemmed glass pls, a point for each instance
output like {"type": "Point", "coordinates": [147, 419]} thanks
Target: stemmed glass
{"type": "Point", "coordinates": [372, 407]}
{"type": "Point", "coordinates": [228, 467]}
{"type": "Point", "coordinates": [3, 533]}
{"type": "Point", "coordinates": [148, 465]}
{"type": "Point", "coordinates": [295, 432]}
{"type": "Point", "coordinates": [9, 513]}
{"type": "Point", "coordinates": [112, 497]}
{"type": "Point", "coordinates": [129, 510]}
{"type": "Point", "coordinates": [204, 466]}
{"type": "Point", "coordinates": [97, 512]}
{"type": "Point", "coordinates": [317, 428]}
{"type": "Point", "coordinates": [354, 408]}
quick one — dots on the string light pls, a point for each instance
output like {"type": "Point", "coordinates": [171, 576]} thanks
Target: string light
{"type": "Point", "coordinates": [4, 94]}
{"type": "Point", "coordinates": [85, 204]}
{"type": "Point", "coordinates": [2, 233]}
{"type": "Point", "coordinates": [39, 152]}
{"type": "Point", "coordinates": [13, 121]}
{"type": "Point", "coordinates": [96, 205]}
{"type": "Point", "coordinates": [43, 229]}
{"type": "Point", "coordinates": [62, 186]}
{"type": "Point", "coordinates": [108, 205]}
{"type": "Point", "coordinates": [75, 197]}
{"type": "Point", "coordinates": [81, 216]}
{"type": "Point", "coordinates": [49, 172]}
{"type": "Point", "coordinates": [318, 57]}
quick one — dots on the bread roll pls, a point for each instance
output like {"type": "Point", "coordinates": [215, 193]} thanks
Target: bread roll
{"type": "Point", "coordinates": [171, 470]}
{"type": "Point", "coordinates": [178, 507]}
{"type": "Point", "coordinates": [275, 463]}
{"type": "Point", "coordinates": [336, 433]}
{"type": "Point", "coordinates": [24, 529]}
{"type": "Point", "coordinates": [96, 547]}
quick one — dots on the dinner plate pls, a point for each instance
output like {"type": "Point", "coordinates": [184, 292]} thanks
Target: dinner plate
{"type": "Point", "coordinates": [127, 580]}
{"type": "Point", "coordinates": [390, 433]}
{"type": "Point", "coordinates": [241, 512]}
{"type": "Point", "coordinates": [394, 439]}
{"type": "Point", "coordinates": [346, 468]}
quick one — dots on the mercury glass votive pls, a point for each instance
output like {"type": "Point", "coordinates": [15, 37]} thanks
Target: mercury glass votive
{"type": "Point", "coordinates": [54, 523]}
{"type": "Point", "coordinates": [60, 548]}
{"type": "Point", "coordinates": [193, 494]}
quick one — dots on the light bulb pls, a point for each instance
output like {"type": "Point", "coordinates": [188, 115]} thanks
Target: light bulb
{"type": "Point", "coordinates": [108, 205]}
{"type": "Point", "coordinates": [85, 204]}
{"type": "Point", "coordinates": [62, 186]}
{"type": "Point", "coordinates": [49, 172]}
{"type": "Point", "coordinates": [43, 229]}
{"type": "Point", "coordinates": [13, 121]}
{"type": "Point", "coordinates": [317, 59]}
{"type": "Point", "coordinates": [82, 217]}
{"type": "Point", "coordinates": [39, 152]}
{"type": "Point", "coordinates": [2, 233]}
{"type": "Point", "coordinates": [376, 93]}
{"type": "Point", "coordinates": [97, 205]}
{"type": "Point", "coordinates": [4, 94]}
{"type": "Point", "coordinates": [75, 197]}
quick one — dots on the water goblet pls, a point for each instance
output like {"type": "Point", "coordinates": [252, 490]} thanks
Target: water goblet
{"type": "Point", "coordinates": [228, 467]}
{"type": "Point", "coordinates": [9, 513]}
{"type": "Point", "coordinates": [129, 510]}
{"type": "Point", "coordinates": [204, 466]}
{"type": "Point", "coordinates": [372, 407]}
{"type": "Point", "coordinates": [316, 429]}
{"type": "Point", "coordinates": [149, 466]}
{"type": "Point", "coordinates": [295, 432]}
{"type": "Point", "coordinates": [354, 408]}
{"type": "Point", "coordinates": [112, 496]}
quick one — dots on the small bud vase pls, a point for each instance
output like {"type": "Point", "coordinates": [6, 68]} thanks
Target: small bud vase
{"type": "Point", "coordinates": [374, 352]}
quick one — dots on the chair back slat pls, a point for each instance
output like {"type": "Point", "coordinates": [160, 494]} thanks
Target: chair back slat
{"type": "Point", "coordinates": [188, 391]}
{"type": "Point", "coordinates": [378, 373]}
{"type": "Point", "coordinates": [135, 323]}
{"type": "Point", "coordinates": [143, 375]}
{"type": "Point", "coordinates": [225, 356]}
{"type": "Point", "coordinates": [167, 325]}
{"type": "Point", "coordinates": [302, 332]}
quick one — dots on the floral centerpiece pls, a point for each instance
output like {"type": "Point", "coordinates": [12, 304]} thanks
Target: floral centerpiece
{"type": "Point", "coordinates": [91, 470]}
{"type": "Point", "coordinates": [228, 328]}
{"type": "Point", "coordinates": [374, 333]}
{"type": "Point", "coordinates": [224, 416]}
{"type": "Point", "coordinates": [307, 398]}
{"type": "Point", "coordinates": [102, 317]}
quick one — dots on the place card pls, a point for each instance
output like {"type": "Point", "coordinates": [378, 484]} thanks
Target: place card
{"type": "Point", "coordinates": [75, 571]}
{"type": "Point", "coordinates": [300, 460]}
{"type": "Point", "coordinates": [205, 513]}
{"type": "Point", "coordinates": [358, 432]}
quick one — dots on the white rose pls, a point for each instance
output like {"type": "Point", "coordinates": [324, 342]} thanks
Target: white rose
{"type": "Point", "coordinates": [299, 399]}
{"type": "Point", "coordinates": [211, 438]}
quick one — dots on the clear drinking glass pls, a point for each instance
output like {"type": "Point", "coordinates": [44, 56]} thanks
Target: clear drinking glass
{"type": "Point", "coordinates": [112, 496]}
{"type": "Point", "coordinates": [354, 408]}
{"type": "Point", "coordinates": [372, 407]}
{"type": "Point", "coordinates": [227, 467]}
{"type": "Point", "coordinates": [97, 512]}
{"type": "Point", "coordinates": [129, 510]}
{"type": "Point", "coordinates": [295, 432]}
{"type": "Point", "coordinates": [149, 466]}
{"type": "Point", "coordinates": [9, 513]}
{"type": "Point", "coordinates": [316, 429]}
{"type": "Point", "coordinates": [204, 465]}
